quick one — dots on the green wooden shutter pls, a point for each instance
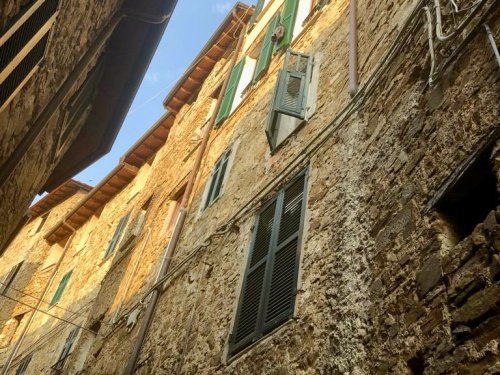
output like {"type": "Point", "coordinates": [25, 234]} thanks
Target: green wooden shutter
{"type": "Point", "coordinates": [217, 178]}
{"type": "Point", "coordinates": [285, 258]}
{"type": "Point", "coordinates": [227, 101]}
{"type": "Point", "coordinates": [21, 370]}
{"type": "Point", "coordinates": [60, 288]}
{"type": "Point", "coordinates": [269, 287]}
{"type": "Point", "coordinates": [248, 322]}
{"type": "Point", "coordinates": [258, 9]}
{"type": "Point", "coordinates": [266, 50]}
{"type": "Point", "coordinates": [290, 93]}
{"type": "Point", "coordinates": [117, 235]}
{"type": "Point", "coordinates": [293, 85]}
{"type": "Point", "coordinates": [288, 21]}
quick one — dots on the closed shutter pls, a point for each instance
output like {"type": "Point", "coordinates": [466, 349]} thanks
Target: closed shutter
{"type": "Point", "coordinates": [288, 21]}
{"type": "Point", "coordinates": [23, 44]}
{"type": "Point", "coordinates": [117, 235]}
{"type": "Point", "coordinates": [60, 288]}
{"type": "Point", "coordinates": [269, 287]}
{"type": "Point", "coordinates": [227, 101]}
{"type": "Point", "coordinates": [217, 178]}
{"type": "Point", "coordinates": [59, 365]}
{"type": "Point", "coordinates": [266, 50]}
{"type": "Point", "coordinates": [21, 370]}
{"type": "Point", "coordinates": [256, 12]}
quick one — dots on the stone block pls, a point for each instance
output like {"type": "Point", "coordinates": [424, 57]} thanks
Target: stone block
{"type": "Point", "coordinates": [429, 275]}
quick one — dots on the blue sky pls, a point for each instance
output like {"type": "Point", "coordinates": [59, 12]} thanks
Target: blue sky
{"type": "Point", "coordinates": [190, 27]}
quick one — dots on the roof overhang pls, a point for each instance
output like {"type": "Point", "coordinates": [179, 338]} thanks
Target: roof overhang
{"type": "Point", "coordinates": [211, 53]}
{"type": "Point", "coordinates": [115, 181]}
{"type": "Point", "coordinates": [57, 196]}
{"type": "Point", "coordinates": [126, 59]}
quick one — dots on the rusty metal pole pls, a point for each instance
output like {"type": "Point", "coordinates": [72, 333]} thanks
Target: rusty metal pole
{"type": "Point", "coordinates": [174, 240]}
{"type": "Point", "coordinates": [353, 48]}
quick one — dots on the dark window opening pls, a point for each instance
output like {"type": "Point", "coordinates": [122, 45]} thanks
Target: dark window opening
{"type": "Point", "coordinates": [469, 200]}
{"type": "Point", "coordinates": [44, 219]}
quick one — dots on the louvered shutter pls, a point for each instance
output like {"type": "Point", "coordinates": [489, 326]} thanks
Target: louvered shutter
{"type": "Point", "coordinates": [21, 370]}
{"type": "Point", "coordinates": [266, 50]}
{"type": "Point", "coordinates": [217, 178]}
{"type": "Point", "coordinates": [117, 235]}
{"type": "Point", "coordinates": [284, 266]}
{"type": "Point", "coordinates": [293, 83]}
{"type": "Point", "coordinates": [247, 324]}
{"type": "Point", "coordinates": [22, 46]}
{"type": "Point", "coordinates": [256, 12]}
{"type": "Point", "coordinates": [269, 287]}
{"type": "Point", "coordinates": [60, 288]}
{"type": "Point", "coordinates": [290, 92]}
{"type": "Point", "coordinates": [288, 21]}
{"type": "Point", "coordinates": [227, 101]}
{"type": "Point", "coordinates": [68, 344]}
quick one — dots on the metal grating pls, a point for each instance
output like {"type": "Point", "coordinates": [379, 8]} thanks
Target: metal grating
{"type": "Point", "coordinates": [10, 49]}
{"type": "Point", "coordinates": [18, 75]}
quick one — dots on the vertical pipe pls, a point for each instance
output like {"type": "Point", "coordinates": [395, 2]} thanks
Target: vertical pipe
{"type": "Point", "coordinates": [172, 244]}
{"type": "Point", "coordinates": [493, 44]}
{"type": "Point", "coordinates": [353, 48]}
{"type": "Point", "coordinates": [20, 340]}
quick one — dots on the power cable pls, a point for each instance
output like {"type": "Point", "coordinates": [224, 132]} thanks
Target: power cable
{"type": "Point", "coordinates": [46, 313]}
{"type": "Point", "coordinates": [36, 298]}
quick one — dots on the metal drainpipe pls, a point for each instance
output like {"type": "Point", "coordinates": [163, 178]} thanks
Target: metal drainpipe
{"type": "Point", "coordinates": [39, 303]}
{"type": "Point", "coordinates": [493, 44]}
{"type": "Point", "coordinates": [353, 48]}
{"type": "Point", "coordinates": [172, 244]}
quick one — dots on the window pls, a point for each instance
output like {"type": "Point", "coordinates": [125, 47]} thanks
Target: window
{"type": "Point", "coordinates": [117, 235]}
{"type": "Point", "coordinates": [9, 279]}
{"type": "Point", "coordinates": [60, 289]}
{"type": "Point", "coordinates": [245, 80]}
{"type": "Point", "coordinates": [59, 365]}
{"type": "Point", "coordinates": [229, 94]}
{"type": "Point", "coordinates": [42, 222]}
{"type": "Point", "coordinates": [266, 50]}
{"type": "Point", "coordinates": [77, 106]}
{"type": "Point", "coordinates": [135, 228]}
{"type": "Point", "coordinates": [258, 8]}
{"type": "Point", "coordinates": [289, 104]}
{"type": "Point", "coordinates": [468, 200]}
{"type": "Point", "coordinates": [268, 293]}
{"type": "Point", "coordinates": [217, 179]}
{"type": "Point", "coordinates": [21, 370]}
{"type": "Point", "coordinates": [22, 47]}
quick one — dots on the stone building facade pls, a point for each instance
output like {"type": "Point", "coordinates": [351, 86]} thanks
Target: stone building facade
{"type": "Point", "coordinates": [69, 72]}
{"type": "Point", "coordinates": [325, 233]}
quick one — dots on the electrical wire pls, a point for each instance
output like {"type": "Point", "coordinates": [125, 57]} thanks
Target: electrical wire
{"type": "Point", "coordinates": [46, 313]}
{"type": "Point", "coordinates": [296, 162]}
{"type": "Point", "coordinates": [35, 298]}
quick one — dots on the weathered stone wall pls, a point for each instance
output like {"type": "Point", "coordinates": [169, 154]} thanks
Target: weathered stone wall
{"type": "Point", "coordinates": [367, 245]}
{"type": "Point", "coordinates": [76, 27]}
{"type": "Point", "coordinates": [380, 288]}
{"type": "Point", "coordinates": [28, 246]}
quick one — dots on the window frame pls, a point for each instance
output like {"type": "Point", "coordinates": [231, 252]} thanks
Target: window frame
{"type": "Point", "coordinates": [117, 235]}
{"type": "Point", "coordinates": [63, 284]}
{"type": "Point", "coordinates": [279, 87]}
{"type": "Point", "coordinates": [247, 342]}
{"type": "Point", "coordinates": [228, 157]}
